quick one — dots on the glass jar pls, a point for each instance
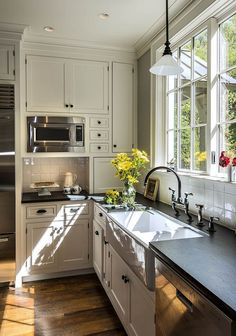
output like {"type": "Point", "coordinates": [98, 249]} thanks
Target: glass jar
{"type": "Point", "coordinates": [128, 195]}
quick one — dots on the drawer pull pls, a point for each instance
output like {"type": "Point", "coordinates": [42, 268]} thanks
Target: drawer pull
{"type": "Point", "coordinates": [99, 147]}
{"type": "Point", "coordinates": [74, 210]}
{"type": "Point", "coordinates": [125, 278]}
{"type": "Point", "coordinates": [41, 211]}
{"type": "Point", "coordinates": [186, 302]}
{"type": "Point", "coordinates": [100, 214]}
{"type": "Point", "coordinates": [96, 233]}
{"type": "Point", "coordinates": [99, 134]}
{"type": "Point", "coordinates": [99, 122]}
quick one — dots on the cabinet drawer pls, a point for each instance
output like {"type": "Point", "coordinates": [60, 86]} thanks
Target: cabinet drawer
{"type": "Point", "coordinates": [72, 210]}
{"type": "Point", "coordinates": [100, 216]}
{"type": "Point", "coordinates": [41, 212]}
{"type": "Point", "coordinates": [99, 148]}
{"type": "Point", "coordinates": [99, 122]}
{"type": "Point", "coordinates": [98, 135]}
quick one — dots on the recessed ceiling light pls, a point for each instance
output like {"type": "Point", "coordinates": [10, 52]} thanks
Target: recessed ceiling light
{"type": "Point", "coordinates": [48, 29]}
{"type": "Point", "coordinates": [103, 16]}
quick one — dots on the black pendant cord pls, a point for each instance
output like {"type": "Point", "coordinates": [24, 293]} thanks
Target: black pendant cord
{"type": "Point", "coordinates": [167, 50]}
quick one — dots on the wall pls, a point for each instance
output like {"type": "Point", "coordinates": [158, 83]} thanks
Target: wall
{"type": "Point", "coordinates": [218, 197]}
{"type": "Point", "coordinates": [53, 169]}
{"type": "Point", "coordinates": [144, 102]}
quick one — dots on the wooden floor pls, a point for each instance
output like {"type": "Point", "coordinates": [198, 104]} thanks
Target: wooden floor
{"type": "Point", "coordinates": [67, 306]}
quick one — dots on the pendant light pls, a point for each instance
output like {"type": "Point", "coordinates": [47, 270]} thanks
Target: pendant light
{"type": "Point", "coordinates": [166, 65]}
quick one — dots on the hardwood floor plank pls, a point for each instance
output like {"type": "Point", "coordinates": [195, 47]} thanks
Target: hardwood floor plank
{"type": "Point", "coordinates": [73, 306]}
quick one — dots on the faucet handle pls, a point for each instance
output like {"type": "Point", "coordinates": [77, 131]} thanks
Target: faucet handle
{"type": "Point", "coordinates": [172, 193]}
{"type": "Point", "coordinates": [199, 206]}
{"type": "Point", "coordinates": [186, 196]}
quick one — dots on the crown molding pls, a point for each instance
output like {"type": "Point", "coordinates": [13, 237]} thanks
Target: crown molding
{"type": "Point", "coordinates": [11, 31]}
{"type": "Point", "coordinates": [57, 41]}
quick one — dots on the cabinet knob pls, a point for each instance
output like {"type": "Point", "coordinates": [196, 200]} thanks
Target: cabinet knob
{"type": "Point", "coordinates": [99, 147]}
{"type": "Point", "coordinates": [114, 146]}
{"type": "Point", "coordinates": [99, 122]}
{"type": "Point", "coordinates": [66, 105]}
{"type": "Point", "coordinates": [41, 211]}
{"type": "Point", "coordinates": [71, 105]}
{"type": "Point", "coordinates": [96, 233]}
{"type": "Point", "coordinates": [99, 134]}
{"type": "Point", "coordinates": [100, 214]}
{"type": "Point", "coordinates": [125, 278]}
{"type": "Point", "coordinates": [105, 242]}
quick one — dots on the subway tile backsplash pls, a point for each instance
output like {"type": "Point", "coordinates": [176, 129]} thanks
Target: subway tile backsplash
{"type": "Point", "coordinates": [53, 170]}
{"type": "Point", "coordinates": [218, 198]}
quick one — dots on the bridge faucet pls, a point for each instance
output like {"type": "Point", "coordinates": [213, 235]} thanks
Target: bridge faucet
{"type": "Point", "coordinates": [178, 199]}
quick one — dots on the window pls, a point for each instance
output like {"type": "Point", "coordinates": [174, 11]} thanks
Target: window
{"type": "Point", "coordinates": [187, 107]}
{"type": "Point", "coordinates": [227, 87]}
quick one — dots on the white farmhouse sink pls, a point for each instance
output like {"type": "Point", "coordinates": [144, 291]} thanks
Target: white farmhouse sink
{"type": "Point", "coordinates": [130, 232]}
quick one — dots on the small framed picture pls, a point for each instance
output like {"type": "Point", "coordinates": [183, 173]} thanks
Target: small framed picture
{"type": "Point", "coordinates": [151, 188]}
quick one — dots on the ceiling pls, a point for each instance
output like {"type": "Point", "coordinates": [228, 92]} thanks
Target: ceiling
{"type": "Point", "coordinates": [77, 21]}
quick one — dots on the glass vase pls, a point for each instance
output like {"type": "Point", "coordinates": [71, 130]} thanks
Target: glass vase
{"type": "Point", "coordinates": [128, 195]}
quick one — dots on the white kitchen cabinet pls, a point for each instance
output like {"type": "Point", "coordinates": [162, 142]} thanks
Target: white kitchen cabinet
{"type": "Point", "coordinates": [73, 251]}
{"type": "Point", "coordinates": [133, 302]}
{"type": "Point", "coordinates": [89, 87]}
{"type": "Point", "coordinates": [119, 285]}
{"type": "Point", "coordinates": [46, 84]}
{"type": "Point", "coordinates": [141, 309]}
{"type": "Point", "coordinates": [41, 247]}
{"type": "Point", "coordinates": [57, 237]}
{"type": "Point", "coordinates": [7, 62]}
{"type": "Point", "coordinates": [104, 175]}
{"type": "Point", "coordinates": [98, 242]}
{"type": "Point", "coordinates": [123, 107]}
{"type": "Point", "coordinates": [99, 229]}
{"type": "Point", "coordinates": [64, 85]}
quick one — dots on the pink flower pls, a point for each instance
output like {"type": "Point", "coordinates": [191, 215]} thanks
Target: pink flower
{"type": "Point", "coordinates": [224, 161]}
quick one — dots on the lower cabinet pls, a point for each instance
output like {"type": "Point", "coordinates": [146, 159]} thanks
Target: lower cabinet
{"type": "Point", "coordinates": [133, 302]}
{"type": "Point", "coordinates": [73, 251]}
{"type": "Point", "coordinates": [57, 241]}
{"type": "Point", "coordinates": [41, 247]}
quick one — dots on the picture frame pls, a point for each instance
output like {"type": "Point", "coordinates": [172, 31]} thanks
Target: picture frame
{"type": "Point", "coordinates": [151, 188]}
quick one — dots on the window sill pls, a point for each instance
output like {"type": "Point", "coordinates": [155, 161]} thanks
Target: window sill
{"type": "Point", "coordinates": [201, 177]}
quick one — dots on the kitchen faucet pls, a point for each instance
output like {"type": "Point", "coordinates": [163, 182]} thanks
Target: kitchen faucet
{"type": "Point", "coordinates": [174, 200]}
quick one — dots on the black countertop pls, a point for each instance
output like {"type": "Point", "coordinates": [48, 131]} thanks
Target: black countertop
{"type": "Point", "coordinates": [208, 263]}
{"type": "Point", "coordinates": [32, 197]}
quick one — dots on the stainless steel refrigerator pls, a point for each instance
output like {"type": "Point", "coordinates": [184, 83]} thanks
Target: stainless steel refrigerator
{"type": "Point", "coordinates": [7, 185]}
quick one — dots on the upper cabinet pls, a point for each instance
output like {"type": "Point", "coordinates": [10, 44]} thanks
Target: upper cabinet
{"type": "Point", "coordinates": [7, 63]}
{"type": "Point", "coordinates": [62, 85]}
{"type": "Point", "coordinates": [123, 107]}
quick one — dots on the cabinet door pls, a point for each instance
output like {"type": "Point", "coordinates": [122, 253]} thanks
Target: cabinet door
{"type": "Point", "coordinates": [104, 176]}
{"type": "Point", "coordinates": [41, 249]}
{"type": "Point", "coordinates": [7, 62]}
{"type": "Point", "coordinates": [46, 84]}
{"type": "Point", "coordinates": [123, 96]}
{"type": "Point", "coordinates": [89, 87]}
{"type": "Point", "coordinates": [119, 287]}
{"type": "Point", "coordinates": [141, 308]}
{"type": "Point", "coordinates": [98, 249]}
{"type": "Point", "coordinates": [73, 247]}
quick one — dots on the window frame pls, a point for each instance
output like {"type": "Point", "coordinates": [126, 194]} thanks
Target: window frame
{"type": "Point", "coordinates": [191, 82]}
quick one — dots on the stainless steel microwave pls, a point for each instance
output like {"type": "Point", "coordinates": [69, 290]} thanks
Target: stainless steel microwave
{"type": "Point", "coordinates": [55, 134]}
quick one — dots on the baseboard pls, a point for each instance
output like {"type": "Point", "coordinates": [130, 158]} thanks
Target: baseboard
{"type": "Point", "coordinates": [37, 277]}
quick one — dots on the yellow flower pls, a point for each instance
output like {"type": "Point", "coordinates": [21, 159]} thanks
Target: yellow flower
{"type": "Point", "coordinates": [128, 168]}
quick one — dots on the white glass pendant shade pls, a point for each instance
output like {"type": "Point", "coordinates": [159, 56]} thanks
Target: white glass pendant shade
{"type": "Point", "coordinates": [166, 66]}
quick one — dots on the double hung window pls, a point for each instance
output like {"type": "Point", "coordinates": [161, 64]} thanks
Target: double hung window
{"type": "Point", "coordinates": [187, 106]}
